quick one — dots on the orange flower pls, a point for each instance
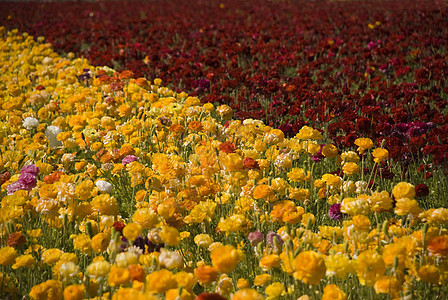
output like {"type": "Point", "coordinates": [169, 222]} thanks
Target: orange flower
{"type": "Point", "coordinates": [195, 126]}
{"type": "Point", "coordinates": [439, 245]}
{"type": "Point", "coordinates": [136, 272]}
{"type": "Point", "coordinates": [206, 274]}
{"type": "Point", "coordinates": [74, 292]}
{"type": "Point", "coordinates": [227, 147]}
{"type": "Point", "coordinates": [333, 292]}
{"type": "Point", "coordinates": [263, 191]}
{"type": "Point", "coordinates": [16, 239]}
{"type": "Point", "coordinates": [126, 74]}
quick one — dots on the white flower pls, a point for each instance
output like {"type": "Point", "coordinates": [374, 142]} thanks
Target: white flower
{"type": "Point", "coordinates": [68, 270]}
{"type": "Point", "coordinates": [47, 60]}
{"type": "Point", "coordinates": [51, 132]}
{"type": "Point", "coordinates": [98, 269]}
{"type": "Point", "coordinates": [170, 259]}
{"type": "Point", "coordinates": [125, 259]}
{"type": "Point", "coordinates": [104, 186]}
{"type": "Point", "coordinates": [68, 158]}
{"type": "Point", "coordinates": [30, 123]}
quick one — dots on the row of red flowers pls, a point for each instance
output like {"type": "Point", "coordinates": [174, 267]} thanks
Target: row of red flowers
{"type": "Point", "coordinates": [364, 69]}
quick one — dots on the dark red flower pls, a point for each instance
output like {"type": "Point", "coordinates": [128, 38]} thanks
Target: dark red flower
{"type": "Point", "coordinates": [421, 190]}
{"type": "Point", "coordinates": [209, 296]}
{"type": "Point", "coordinates": [119, 226]}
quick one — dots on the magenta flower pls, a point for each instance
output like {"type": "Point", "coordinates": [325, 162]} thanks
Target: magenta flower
{"type": "Point", "coordinates": [128, 159]}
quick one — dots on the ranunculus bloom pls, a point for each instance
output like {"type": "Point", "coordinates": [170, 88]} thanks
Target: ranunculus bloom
{"type": "Point", "coordinates": [31, 169]}
{"type": "Point", "coordinates": [421, 190]}
{"type": "Point", "coordinates": [333, 292]}
{"type": "Point", "coordinates": [309, 266]}
{"type": "Point", "coordinates": [161, 281]}
{"type": "Point", "coordinates": [334, 212]}
{"type": "Point", "coordinates": [439, 246]}
{"type": "Point", "coordinates": [263, 191]}
{"type": "Point", "coordinates": [403, 190]}
{"type": "Point", "coordinates": [224, 258]}
{"type": "Point", "coordinates": [206, 274]}
{"type": "Point", "coordinates": [16, 239]}
{"type": "Point", "coordinates": [255, 237]}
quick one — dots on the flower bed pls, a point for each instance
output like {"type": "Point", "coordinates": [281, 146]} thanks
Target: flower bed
{"type": "Point", "coordinates": [358, 69]}
{"type": "Point", "coordinates": [116, 187]}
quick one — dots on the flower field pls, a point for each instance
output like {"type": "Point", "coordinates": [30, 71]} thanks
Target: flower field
{"type": "Point", "coordinates": [224, 150]}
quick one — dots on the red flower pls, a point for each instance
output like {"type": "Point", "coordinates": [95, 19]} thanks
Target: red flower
{"type": "Point", "coordinates": [209, 296]}
{"type": "Point", "coordinates": [421, 190]}
{"type": "Point", "coordinates": [227, 147]}
{"type": "Point", "coordinates": [250, 163]}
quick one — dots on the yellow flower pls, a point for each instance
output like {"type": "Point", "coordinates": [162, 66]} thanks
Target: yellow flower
{"type": "Point", "coordinates": [24, 261]}
{"type": "Point", "coordinates": [170, 235]}
{"type": "Point", "coordinates": [392, 251]}
{"type": "Point", "coordinates": [131, 231]}
{"type": "Point", "coordinates": [118, 276]}
{"type": "Point", "coordinates": [380, 154]}
{"type": "Point", "coordinates": [145, 217]}
{"type": "Point", "coordinates": [388, 285]}
{"type": "Point", "coordinates": [247, 294]}
{"type": "Point", "coordinates": [209, 107]}
{"type": "Point", "coordinates": [330, 151]}
{"type": "Point", "coordinates": [82, 243]}
{"type": "Point", "coordinates": [84, 190]}
{"type": "Point", "coordinates": [100, 242]}
{"type": "Point", "coordinates": [361, 223]}
{"type": "Point", "coordinates": [50, 290]}
{"type": "Point", "coordinates": [406, 206]}
{"type": "Point", "coordinates": [296, 175]}
{"type": "Point", "coordinates": [262, 279]}
{"type": "Point", "coordinates": [299, 194]}
{"type": "Point", "coordinates": [203, 240]}
{"type": "Point", "coordinates": [355, 206]}
{"type": "Point", "coordinates": [363, 144]}
{"type": "Point", "coordinates": [403, 190]}
{"type": "Point", "coordinates": [333, 292]}
{"type": "Point", "coordinates": [74, 292]}
{"type": "Point", "coordinates": [349, 156]}
{"type": "Point", "coordinates": [429, 274]}
{"type": "Point", "coordinates": [369, 267]}
{"type": "Point", "coordinates": [224, 258]}
{"type": "Point", "coordinates": [338, 265]}
{"type": "Point", "coordinates": [185, 280]}
{"type": "Point", "coordinates": [274, 136]}
{"type": "Point", "coordinates": [350, 168]}
{"type": "Point", "coordinates": [275, 290]}
{"type": "Point", "coordinates": [306, 133]}
{"type": "Point", "coordinates": [173, 294]}
{"type": "Point", "coordinates": [309, 266]}
{"type": "Point", "coordinates": [380, 201]}
{"type": "Point", "coordinates": [7, 256]}
{"type": "Point", "coordinates": [270, 261]}
{"type": "Point", "coordinates": [51, 256]}
{"type": "Point", "coordinates": [242, 284]}
{"type": "Point", "coordinates": [161, 281]}
{"type": "Point", "coordinates": [105, 204]}
{"type": "Point", "coordinates": [233, 162]}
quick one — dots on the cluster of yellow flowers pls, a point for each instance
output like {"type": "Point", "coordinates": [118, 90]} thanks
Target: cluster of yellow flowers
{"type": "Point", "coordinates": [119, 187]}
